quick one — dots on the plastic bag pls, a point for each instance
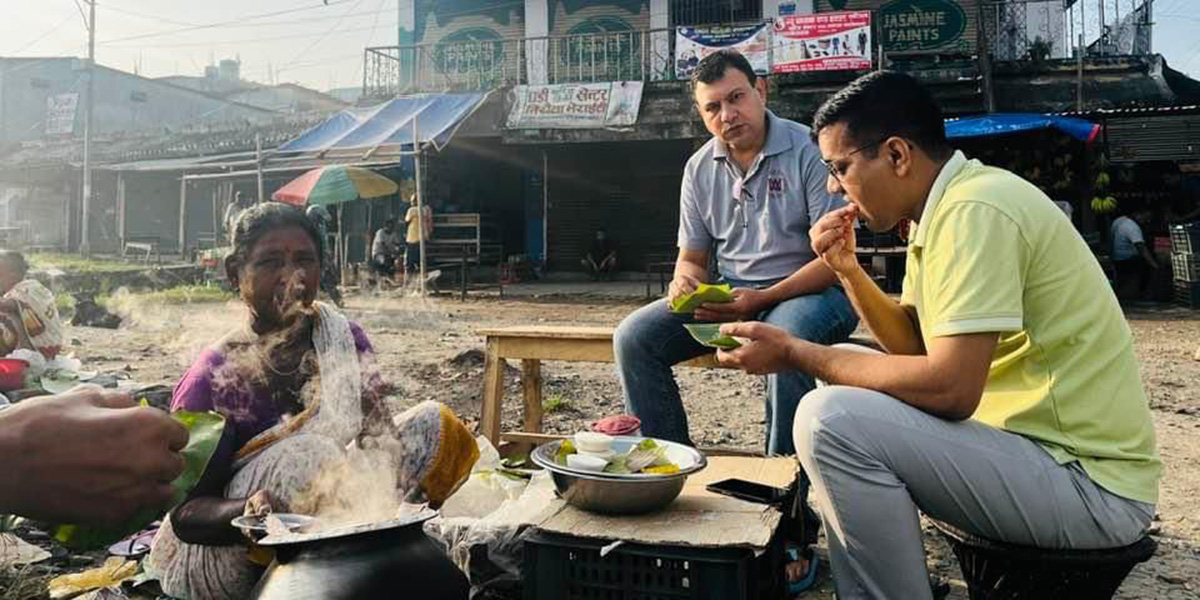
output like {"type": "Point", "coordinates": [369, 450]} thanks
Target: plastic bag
{"type": "Point", "coordinates": [488, 487]}
{"type": "Point", "coordinates": [490, 550]}
{"type": "Point", "coordinates": [37, 362]}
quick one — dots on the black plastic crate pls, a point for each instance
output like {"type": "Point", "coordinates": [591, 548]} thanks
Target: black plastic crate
{"type": "Point", "coordinates": [560, 567]}
{"type": "Point", "coordinates": [1187, 293]}
{"type": "Point", "coordinates": [1186, 267]}
{"type": "Point", "coordinates": [1185, 238]}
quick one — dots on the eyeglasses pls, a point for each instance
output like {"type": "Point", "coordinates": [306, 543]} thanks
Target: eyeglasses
{"type": "Point", "coordinates": [836, 171]}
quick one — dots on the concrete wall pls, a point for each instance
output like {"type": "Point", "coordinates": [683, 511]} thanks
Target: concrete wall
{"type": "Point", "coordinates": [433, 31]}
{"type": "Point", "coordinates": [564, 20]}
{"type": "Point", "coordinates": [124, 102]}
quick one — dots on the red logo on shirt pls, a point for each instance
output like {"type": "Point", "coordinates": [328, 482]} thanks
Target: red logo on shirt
{"type": "Point", "coordinates": [775, 184]}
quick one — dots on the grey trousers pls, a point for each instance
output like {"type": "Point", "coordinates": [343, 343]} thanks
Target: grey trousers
{"type": "Point", "coordinates": [874, 461]}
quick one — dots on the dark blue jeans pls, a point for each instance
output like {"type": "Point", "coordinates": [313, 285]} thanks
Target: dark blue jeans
{"type": "Point", "coordinates": [412, 258]}
{"type": "Point", "coordinates": [652, 339]}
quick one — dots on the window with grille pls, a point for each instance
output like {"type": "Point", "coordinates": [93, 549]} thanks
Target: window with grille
{"type": "Point", "coordinates": [714, 12]}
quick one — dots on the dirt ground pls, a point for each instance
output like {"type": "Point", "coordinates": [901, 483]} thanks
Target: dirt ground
{"type": "Point", "coordinates": [429, 350]}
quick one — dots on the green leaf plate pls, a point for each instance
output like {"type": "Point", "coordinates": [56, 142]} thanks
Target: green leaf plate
{"type": "Point", "coordinates": [709, 334]}
{"type": "Point", "coordinates": [204, 432]}
{"type": "Point", "coordinates": [717, 294]}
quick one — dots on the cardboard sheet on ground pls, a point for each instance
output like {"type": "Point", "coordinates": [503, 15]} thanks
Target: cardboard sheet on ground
{"type": "Point", "coordinates": [696, 518]}
{"type": "Point", "coordinates": [717, 294]}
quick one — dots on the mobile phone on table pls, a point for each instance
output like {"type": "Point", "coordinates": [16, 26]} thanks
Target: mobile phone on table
{"type": "Point", "coordinates": [748, 490]}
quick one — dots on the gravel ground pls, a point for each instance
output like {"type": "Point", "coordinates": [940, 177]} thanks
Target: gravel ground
{"type": "Point", "coordinates": [428, 350]}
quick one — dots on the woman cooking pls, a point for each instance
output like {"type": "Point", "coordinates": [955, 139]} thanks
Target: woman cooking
{"type": "Point", "coordinates": [297, 386]}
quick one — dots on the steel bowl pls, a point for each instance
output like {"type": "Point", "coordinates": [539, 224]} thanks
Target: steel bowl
{"type": "Point", "coordinates": [614, 494]}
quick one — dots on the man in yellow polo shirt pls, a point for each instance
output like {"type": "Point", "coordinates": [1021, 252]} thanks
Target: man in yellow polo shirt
{"type": "Point", "coordinates": [1008, 403]}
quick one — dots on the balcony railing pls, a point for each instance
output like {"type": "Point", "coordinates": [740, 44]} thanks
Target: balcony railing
{"type": "Point", "coordinates": [476, 65]}
{"type": "Point", "coordinates": [1040, 29]}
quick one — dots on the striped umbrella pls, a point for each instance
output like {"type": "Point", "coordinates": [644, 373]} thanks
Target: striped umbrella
{"type": "Point", "coordinates": [324, 186]}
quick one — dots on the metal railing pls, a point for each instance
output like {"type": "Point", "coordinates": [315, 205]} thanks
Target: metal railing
{"type": "Point", "coordinates": [1042, 29]}
{"type": "Point", "coordinates": [479, 65]}
{"type": "Point", "coordinates": [715, 12]}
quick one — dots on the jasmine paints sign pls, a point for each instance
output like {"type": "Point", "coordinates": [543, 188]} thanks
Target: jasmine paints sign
{"type": "Point", "coordinates": [910, 25]}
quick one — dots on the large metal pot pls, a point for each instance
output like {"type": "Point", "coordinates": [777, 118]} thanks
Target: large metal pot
{"type": "Point", "coordinates": [390, 559]}
{"type": "Point", "coordinates": [620, 494]}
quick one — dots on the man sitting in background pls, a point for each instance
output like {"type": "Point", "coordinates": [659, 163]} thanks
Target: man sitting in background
{"type": "Point", "coordinates": [386, 248]}
{"type": "Point", "coordinates": [601, 259]}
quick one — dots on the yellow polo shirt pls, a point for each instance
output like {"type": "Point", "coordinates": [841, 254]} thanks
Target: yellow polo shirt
{"type": "Point", "coordinates": [992, 253]}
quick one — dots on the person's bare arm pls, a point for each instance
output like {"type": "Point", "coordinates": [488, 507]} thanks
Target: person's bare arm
{"type": "Point", "coordinates": [748, 303]}
{"type": "Point", "coordinates": [691, 269]}
{"type": "Point", "coordinates": [87, 456]}
{"type": "Point", "coordinates": [1144, 252]}
{"type": "Point", "coordinates": [894, 325]}
{"type": "Point", "coordinates": [947, 382]}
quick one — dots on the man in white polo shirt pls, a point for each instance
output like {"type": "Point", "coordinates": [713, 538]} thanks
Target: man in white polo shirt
{"type": "Point", "coordinates": [751, 193]}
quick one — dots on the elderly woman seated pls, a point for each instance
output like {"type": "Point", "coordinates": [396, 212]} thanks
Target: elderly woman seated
{"type": "Point", "coordinates": [305, 422]}
{"type": "Point", "coordinates": [28, 315]}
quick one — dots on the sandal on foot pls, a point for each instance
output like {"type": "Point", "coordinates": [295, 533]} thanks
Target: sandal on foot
{"type": "Point", "coordinates": [795, 588]}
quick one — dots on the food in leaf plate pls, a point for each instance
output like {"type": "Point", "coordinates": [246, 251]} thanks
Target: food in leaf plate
{"type": "Point", "coordinates": [709, 334]}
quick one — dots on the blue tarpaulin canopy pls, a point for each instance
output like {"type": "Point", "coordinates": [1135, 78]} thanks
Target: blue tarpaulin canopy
{"type": "Point", "coordinates": [1002, 123]}
{"type": "Point", "coordinates": [390, 124]}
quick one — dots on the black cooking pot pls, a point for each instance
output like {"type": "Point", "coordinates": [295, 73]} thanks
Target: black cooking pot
{"type": "Point", "coordinates": [384, 560]}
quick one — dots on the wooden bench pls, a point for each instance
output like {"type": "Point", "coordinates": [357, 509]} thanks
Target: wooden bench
{"type": "Point", "coordinates": [146, 244]}
{"type": "Point", "coordinates": [454, 233]}
{"type": "Point", "coordinates": [532, 345]}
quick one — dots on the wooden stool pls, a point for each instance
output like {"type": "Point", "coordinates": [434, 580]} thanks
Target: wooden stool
{"type": "Point", "coordinates": [532, 345]}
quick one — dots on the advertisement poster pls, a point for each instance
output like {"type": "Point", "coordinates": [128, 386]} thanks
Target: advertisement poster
{"type": "Point", "coordinates": [60, 113]}
{"type": "Point", "coordinates": [694, 43]}
{"type": "Point", "coordinates": [823, 42]}
{"type": "Point", "coordinates": [576, 105]}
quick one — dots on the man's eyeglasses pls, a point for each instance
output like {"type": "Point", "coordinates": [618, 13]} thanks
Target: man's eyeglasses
{"type": "Point", "coordinates": [837, 168]}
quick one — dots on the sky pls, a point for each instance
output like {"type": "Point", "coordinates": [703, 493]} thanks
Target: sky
{"type": "Point", "coordinates": [297, 41]}
{"type": "Point", "coordinates": [307, 41]}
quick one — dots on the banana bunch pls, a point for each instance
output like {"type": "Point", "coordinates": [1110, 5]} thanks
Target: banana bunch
{"type": "Point", "coordinates": [1104, 205]}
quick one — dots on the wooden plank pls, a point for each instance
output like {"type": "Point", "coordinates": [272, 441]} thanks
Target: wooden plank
{"type": "Point", "coordinates": [594, 349]}
{"type": "Point", "coordinates": [493, 392]}
{"type": "Point", "coordinates": [549, 331]}
{"type": "Point", "coordinates": [571, 350]}
{"type": "Point", "coordinates": [536, 439]}
{"type": "Point", "coordinates": [531, 381]}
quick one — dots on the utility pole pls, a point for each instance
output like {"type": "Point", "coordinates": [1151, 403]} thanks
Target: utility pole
{"type": "Point", "coordinates": [85, 218]}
